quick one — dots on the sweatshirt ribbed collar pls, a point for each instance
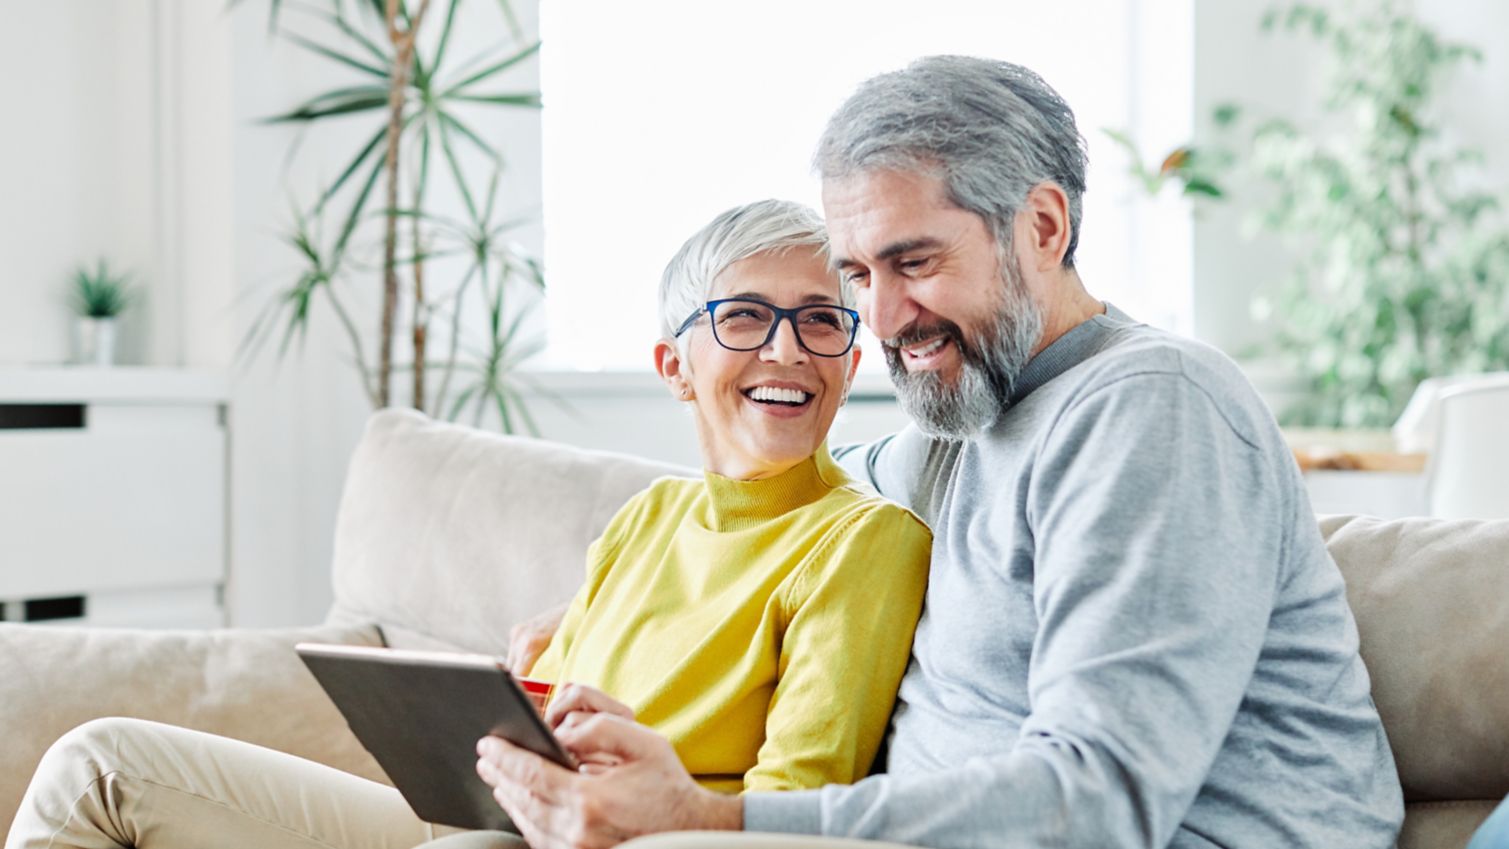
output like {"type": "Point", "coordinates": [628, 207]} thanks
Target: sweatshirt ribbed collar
{"type": "Point", "coordinates": [734, 505]}
{"type": "Point", "coordinates": [1069, 350]}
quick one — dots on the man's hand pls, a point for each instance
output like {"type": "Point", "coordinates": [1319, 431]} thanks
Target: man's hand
{"type": "Point", "coordinates": [646, 791]}
{"type": "Point", "coordinates": [528, 639]}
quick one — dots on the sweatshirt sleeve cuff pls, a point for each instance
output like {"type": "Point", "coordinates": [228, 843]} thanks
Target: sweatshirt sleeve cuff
{"type": "Point", "coordinates": [791, 812]}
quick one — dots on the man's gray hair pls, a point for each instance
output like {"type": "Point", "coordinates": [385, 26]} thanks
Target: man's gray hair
{"type": "Point", "coordinates": [739, 233]}
{"type": "Point", "coordinates": [990, 129]}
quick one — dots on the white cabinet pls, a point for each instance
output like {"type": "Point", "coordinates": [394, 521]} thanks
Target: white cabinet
{"type": "Point", "coordinates": [113, 496]}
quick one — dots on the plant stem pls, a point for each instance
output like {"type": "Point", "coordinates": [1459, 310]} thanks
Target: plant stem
{"type": "Point", "coordinates": [421, 319]}
{"type": "Point", "coordinates": [398, 81]}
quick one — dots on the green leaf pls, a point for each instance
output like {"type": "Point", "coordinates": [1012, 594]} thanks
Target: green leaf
{"type": "Point", "coordinates": [342, 102]}
{"type": "Point", "coordinates": [350, 169]}
{"type": "Point", "coordinates": [339, 21]}
{"type": "Point", "coordinates": [1197, 186]}
{"type": "Point", "coordinates": [337, 56]}
{"type": "Point", "coordinates": [454, 123]}
{"type": "Point", "coordinates": [494, 69]}
{"type": "Point", "coordinates": [450, 158]}
{"type": "Point", "coordinates": [445, 36]}
{"type": "Point", "coordinates": [513, 20]}
{"type": "Point", "coordinates": [356, 209]}
{"type": "Point", "coordinates": [530, 99]}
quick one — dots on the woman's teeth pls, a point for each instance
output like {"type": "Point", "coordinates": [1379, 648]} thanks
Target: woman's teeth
{"type": "Point", "coordinates": [779, 396]}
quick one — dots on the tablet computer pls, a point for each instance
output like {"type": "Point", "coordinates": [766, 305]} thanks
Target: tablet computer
{"type": "Point", "coordinates": [421, 714]}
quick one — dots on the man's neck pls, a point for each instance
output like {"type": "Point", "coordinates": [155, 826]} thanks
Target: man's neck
{"type": "Point", "coordinates": [1067, 306]}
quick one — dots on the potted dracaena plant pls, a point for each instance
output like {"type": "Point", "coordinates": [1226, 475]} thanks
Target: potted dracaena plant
{"type": "Point", "coordinates": [423, 106]}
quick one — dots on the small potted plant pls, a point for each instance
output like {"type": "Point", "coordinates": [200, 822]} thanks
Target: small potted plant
{"type": "Point", "coordinates": [98, 298]}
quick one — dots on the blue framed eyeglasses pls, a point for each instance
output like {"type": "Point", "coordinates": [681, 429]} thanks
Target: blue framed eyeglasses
{"type": "Point", "coordinates": [747, 324]}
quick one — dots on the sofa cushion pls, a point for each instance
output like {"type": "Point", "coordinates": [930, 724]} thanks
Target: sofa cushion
{"type": "Point", "coordinates": [1431, 599]}
{"type": "Point", "coordinates": [247, 684]}
{"type": "Point", "coordinates": [448, 535]}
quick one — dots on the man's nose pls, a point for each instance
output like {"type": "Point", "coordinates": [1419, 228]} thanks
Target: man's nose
{"type": "Point", "coordinates": [886, 306]}
{"type": "Point", "coordinates": [783, 346]}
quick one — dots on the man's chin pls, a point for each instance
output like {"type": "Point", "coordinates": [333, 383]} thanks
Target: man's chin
{"type": "Point", "coordinates": [956, 404]}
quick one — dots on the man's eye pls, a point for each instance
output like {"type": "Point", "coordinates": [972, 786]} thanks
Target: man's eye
{"type": "Point", "coordinates": [912, 264]}
{"type": "Point", "coordinates": [856, 278]}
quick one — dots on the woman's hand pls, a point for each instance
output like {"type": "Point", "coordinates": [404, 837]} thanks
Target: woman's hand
{"type": "Point", "coordinates": [528, 639]}
{"type": "Point", "coordinates": [574, 704]}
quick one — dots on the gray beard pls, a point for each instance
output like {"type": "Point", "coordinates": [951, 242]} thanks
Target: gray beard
{"type": "Point", "coordinates": [989, 366]}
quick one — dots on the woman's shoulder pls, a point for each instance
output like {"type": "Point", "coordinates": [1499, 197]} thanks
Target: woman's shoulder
{"type": "Point", "coordinates": [861, 505]}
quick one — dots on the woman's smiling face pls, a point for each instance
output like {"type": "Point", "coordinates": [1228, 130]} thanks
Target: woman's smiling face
{"type": "Point", "coordinates": [761, 412]}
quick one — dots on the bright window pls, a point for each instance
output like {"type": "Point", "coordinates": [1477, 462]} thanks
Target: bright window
{"type": "Point", "coordinates": [660, 114]}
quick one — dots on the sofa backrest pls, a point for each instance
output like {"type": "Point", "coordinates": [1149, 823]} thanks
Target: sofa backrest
{"type": "Point", "coordinates": [1431, 597]}
{"type": "Point", "coordinates": [448, 535]}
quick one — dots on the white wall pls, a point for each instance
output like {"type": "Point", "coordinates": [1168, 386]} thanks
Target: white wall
{"type": "Point", "coordinates": [78, 141]}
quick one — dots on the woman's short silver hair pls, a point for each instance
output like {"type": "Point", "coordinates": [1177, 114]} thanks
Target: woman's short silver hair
{"type": "Point", "coordinates": [990, 129]}
{"type": "Point", "coordinates": [742, 232]}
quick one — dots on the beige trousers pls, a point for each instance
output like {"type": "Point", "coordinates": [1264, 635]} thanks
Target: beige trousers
{"type": "Point", "coordinates": [134, 783]}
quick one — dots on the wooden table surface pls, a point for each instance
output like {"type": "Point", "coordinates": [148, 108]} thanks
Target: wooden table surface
{"type": "Point", "coordinates": [1351, 450]}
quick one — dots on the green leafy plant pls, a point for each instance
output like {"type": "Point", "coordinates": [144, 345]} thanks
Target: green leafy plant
{"type": "Point", "coordinates": [1196, 170]}
{"type": "Point", "coordinates": [1401, 259]}
{"type": "Point", "coordinates": [99, 292]}
{"type": "Point", "coordinates": [421, 99]}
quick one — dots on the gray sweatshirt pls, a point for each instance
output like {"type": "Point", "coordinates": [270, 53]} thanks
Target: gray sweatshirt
{"type": "Point", "coordinates": [1133, 634]}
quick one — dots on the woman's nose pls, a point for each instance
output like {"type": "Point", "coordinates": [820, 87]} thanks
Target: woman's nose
{"type": "Point", "coordinates": [783, 346]}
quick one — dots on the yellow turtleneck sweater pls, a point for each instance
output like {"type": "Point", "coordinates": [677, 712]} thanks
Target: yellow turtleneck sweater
{"type": "Point", "coordinates": [761, 626]}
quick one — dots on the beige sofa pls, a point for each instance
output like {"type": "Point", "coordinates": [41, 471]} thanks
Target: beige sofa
{"type": "Point", "coordinates": [447, 536]}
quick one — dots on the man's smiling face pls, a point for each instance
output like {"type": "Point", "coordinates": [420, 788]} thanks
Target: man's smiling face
{"type": "Point", "coordinates": [956, 324]}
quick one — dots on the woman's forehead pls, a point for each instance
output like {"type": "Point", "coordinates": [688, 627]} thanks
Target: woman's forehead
{"type": "Point", "coordinates": [794, 276]}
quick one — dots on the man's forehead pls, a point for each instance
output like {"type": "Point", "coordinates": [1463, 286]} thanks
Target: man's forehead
{"type": "Point", "coordinates": [877, 219]}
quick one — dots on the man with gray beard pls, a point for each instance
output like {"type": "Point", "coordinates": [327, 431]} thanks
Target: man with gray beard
{"type": "Point", "coordinates": [1133, 634]}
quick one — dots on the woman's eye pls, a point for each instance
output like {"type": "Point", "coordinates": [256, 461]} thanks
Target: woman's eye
{"type": "Point", "coordinates": [742, 314]}
{"type": "Point", "coordinates": [824, 319]}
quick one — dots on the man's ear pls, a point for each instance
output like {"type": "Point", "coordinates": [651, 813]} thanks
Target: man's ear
{"type": "Point", "coordinates": [676, 373]}
{"type": "Point", "coordinates": [1043, 230]}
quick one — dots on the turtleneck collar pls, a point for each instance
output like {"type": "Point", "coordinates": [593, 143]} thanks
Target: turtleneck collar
{"type": "Point", "coordinates": [1083, 341]}
{"type": "Point", "coordinates": [734, 505]}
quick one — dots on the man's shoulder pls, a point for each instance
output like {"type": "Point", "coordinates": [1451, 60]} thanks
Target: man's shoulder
{"type": "Point", "coordinates": [1155, 367]}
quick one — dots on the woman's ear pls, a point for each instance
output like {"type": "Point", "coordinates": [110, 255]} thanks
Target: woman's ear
{"type": "Point", "coordinates": [849, 378]}
{"type": "Point", "coordinates": [672, 370]}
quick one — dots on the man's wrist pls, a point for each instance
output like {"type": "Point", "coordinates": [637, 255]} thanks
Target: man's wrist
{"type": "Point", "coordinates": [720, 812]}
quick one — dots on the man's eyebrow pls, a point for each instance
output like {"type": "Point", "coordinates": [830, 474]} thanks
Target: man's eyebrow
{"type": "Point", "coordinates": [894, 250]}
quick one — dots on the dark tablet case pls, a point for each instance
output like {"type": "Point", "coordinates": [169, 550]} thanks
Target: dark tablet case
{"type": "Point", "coordinates": [421, 719]}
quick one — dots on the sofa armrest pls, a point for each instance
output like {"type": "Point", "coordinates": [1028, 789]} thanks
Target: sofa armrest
{"type": "Point", "coordinates": [247, 684]}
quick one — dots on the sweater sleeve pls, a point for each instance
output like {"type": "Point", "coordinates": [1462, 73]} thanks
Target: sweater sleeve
{"type": "Point", "coordinates": [601, 555]}
{"type": "Point", "coordinates": [845, 647]}
{"type": "Point", "coordinates": [891, 464]}
{"type": "Point", "coordinates": [1158, 533]}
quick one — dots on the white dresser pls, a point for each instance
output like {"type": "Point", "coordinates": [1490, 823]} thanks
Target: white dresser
{"type": "Point", "coordinates": [113, 496]}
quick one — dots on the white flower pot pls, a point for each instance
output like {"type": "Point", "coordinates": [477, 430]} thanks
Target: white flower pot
{"type": "Point", "coordinates": [94, 341]}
